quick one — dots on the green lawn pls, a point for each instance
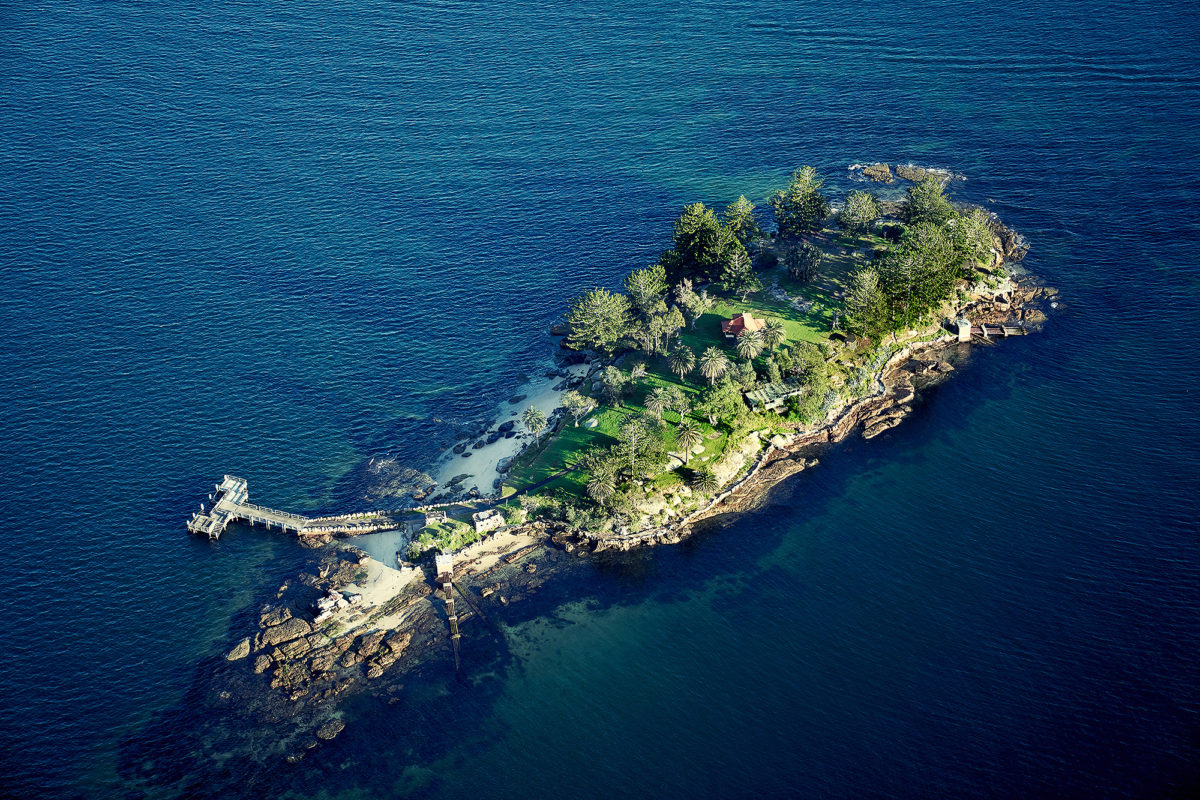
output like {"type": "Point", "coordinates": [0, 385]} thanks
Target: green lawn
{"type": "Point", "coordinates": [564, 450]}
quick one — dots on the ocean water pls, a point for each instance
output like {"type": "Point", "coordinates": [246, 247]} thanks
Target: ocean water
{"type": "Point", "coordinates": [278, 239]}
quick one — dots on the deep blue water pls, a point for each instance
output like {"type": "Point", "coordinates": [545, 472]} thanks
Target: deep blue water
{"type": "Point", "coordinates": [276, 239]}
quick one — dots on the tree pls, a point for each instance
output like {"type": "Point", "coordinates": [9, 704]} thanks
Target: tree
{"type": "Point", "coordinates": [866, 306]}
{"type": "Point", "coordinates": [613, 385]}
{"type": "Point", "coordinates": [917, 275]}
{"type": "Point", "coordinates": [972, 235]}
{"type": "Point", "coordinates": [640, 444]}
{"type": "Point", "coordinates": [749, 345]}
{"type": "Point", "coordinates": [739, 217]}
{"type": "Point", "coordinates": [672, 323]}
{"type": "Point", "coordinates": [601, 488]}
{"type": "Point", "coordinates": [657, 401]}
{"type": "Point", "coordinates": [859, 212]}
{"type": "Point", "coordinates": [578, 404]}
{"type": "Point", "coordinates": [802, 261]}
{"type": "Point", "coordinates": [535, 420]}
{"type": "Point", "coordinates": [810, 367]}
{"type": "Point", "coordinates": [647, 286]}
{"type": "Point", "coordinates": [773, 334]}
{"type": "Point", "coordinates": [701, 245]}
{"type": "Point", "coordinates": [773, 373]}
{"type": "Point", "coordinates": [678, 402]}
{"type": "Point", "coordinates": [637, 370]}
{"type": "Point", "coordinates": [927, 202]}
{"type": "Point", "coordinates": [800, 208]}
{"type": "Point", "coordinates": [598, 319]}
{"type": "Point", "coordinates": [746, 376]}
{"type": "Point", "coordinates": [682, 361]}
{"type": "Point", "coordinates": [784, 359]}
{"type": "Point", "coordinates": [722, 402]}
{"type": "Point", "coordinates": [705, 482]}
{"type": "Point", "coordinates": [737, 276]}
{"type": "Point", "coordinates": [713, 364]}
{"type": "Point", "coordinates": [687, 436]}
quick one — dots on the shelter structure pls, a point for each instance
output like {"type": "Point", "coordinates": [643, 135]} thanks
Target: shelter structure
{"type": "Point", "coordinates": [745, 321]}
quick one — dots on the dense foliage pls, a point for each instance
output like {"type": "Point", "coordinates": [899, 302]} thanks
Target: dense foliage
{"type": "Point", "coordinates": [702, 246]}
{"type": "Point", "coordinates": [800, 208]}
{"type": "Point", "coordinates": [598, 320]}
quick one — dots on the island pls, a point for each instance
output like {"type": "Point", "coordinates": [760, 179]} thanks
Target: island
{"type": "Point", "coordinates": [729, 364]}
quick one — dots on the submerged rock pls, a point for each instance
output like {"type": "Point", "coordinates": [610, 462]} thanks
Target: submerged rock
{"type": "Point", "coordinates": [330, 729]}
{"type": "Point", "coordinates": [241, 650]}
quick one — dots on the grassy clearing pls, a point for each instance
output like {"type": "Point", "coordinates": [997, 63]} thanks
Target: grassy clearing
{"type": "Point", "coordinates": [565, 449]}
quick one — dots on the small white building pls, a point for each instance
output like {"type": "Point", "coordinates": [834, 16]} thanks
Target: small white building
{"type": "Point", "coordinates": [489, 520]}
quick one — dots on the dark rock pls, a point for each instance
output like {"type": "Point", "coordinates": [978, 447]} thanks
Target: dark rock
{"type": "Point", "coordinates": [398, 642]}
{"type": "Point", "coordinates": [495, 436]}
{"type": "Point", "coordinates": [560, 329]}
{"type": "Point", "coordinates": [466, 454]}
{"type": "Point", "coordinates": [261, 664]}
{"type": "Point", "coordinates": [292, 629]}
{"type": "Point", "coordinates": [295, 648]}
{"type": "Point", "coordinates": [880, 173]}
{"type": "Point", "coordinates": [330, 729]}
{"type": "Point", "coordinates": [509, 434]}
{"type": "Point", "coordinates": [275, 616]}
{"type": "Point", "coordinates": [505, 427]}
{"type": "Point", "coordinates": [478, 445]}
{"type": "Point", "coordinates": [516, 398]}
{"type": "Point", "coordinates": [910, 173]}
{"type": "Point", "coordinates": [370, 643]}
{"type": "Point", "coordinates": [458, 448]}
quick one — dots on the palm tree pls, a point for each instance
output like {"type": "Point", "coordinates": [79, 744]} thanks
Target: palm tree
{"type": "Point", "coordinates": [713, 364]}
{"type": "Point", "coordinates": [705, 482]}
{"type": "Point", "coordinates": [657, 402]}
{"type": "Point", "coordinates": [774, 334]}
{"type": "Point", "coordinates": [682, 361]}
{"type": "Point", "coordinates": [535, 420]}
{"type": "Point", "coordinates": [687, 436]}
{"type": "Point", "coordinates": [601, 487]}
{"type": "Point", "coordinates": [749, 345]}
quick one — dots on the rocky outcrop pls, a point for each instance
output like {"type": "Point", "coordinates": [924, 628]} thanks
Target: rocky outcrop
{"type": "Point", "coordinates": [880, 173]}
{"type": "Point", "coordinates": [273, 616]}
{"type": "Point", "coordinates": [285, 632]}
{"type": "Point", "coordinates": [241, 650]}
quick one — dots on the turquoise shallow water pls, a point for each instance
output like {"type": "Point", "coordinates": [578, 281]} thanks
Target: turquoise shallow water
{"type": "Point", "coordinates": [277, 239]}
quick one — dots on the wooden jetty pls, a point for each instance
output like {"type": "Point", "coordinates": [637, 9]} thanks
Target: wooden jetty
{"type": "Point", "coordinates": [230, 502]}
{"type": "Point", "coordinates": [444, 567]}
{"type": "Point", "coordinates": [993, 331]}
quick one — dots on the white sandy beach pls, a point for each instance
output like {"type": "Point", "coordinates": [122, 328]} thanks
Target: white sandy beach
{"type": "Point", "coordinates": [481, 465]}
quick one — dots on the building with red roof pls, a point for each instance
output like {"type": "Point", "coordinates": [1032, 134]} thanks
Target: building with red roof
{"type": "Point", "coordinates": [733, 328]}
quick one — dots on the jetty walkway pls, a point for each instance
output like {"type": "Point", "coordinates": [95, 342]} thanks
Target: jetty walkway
{"type": "Point", "coordinates": [230, 502]}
